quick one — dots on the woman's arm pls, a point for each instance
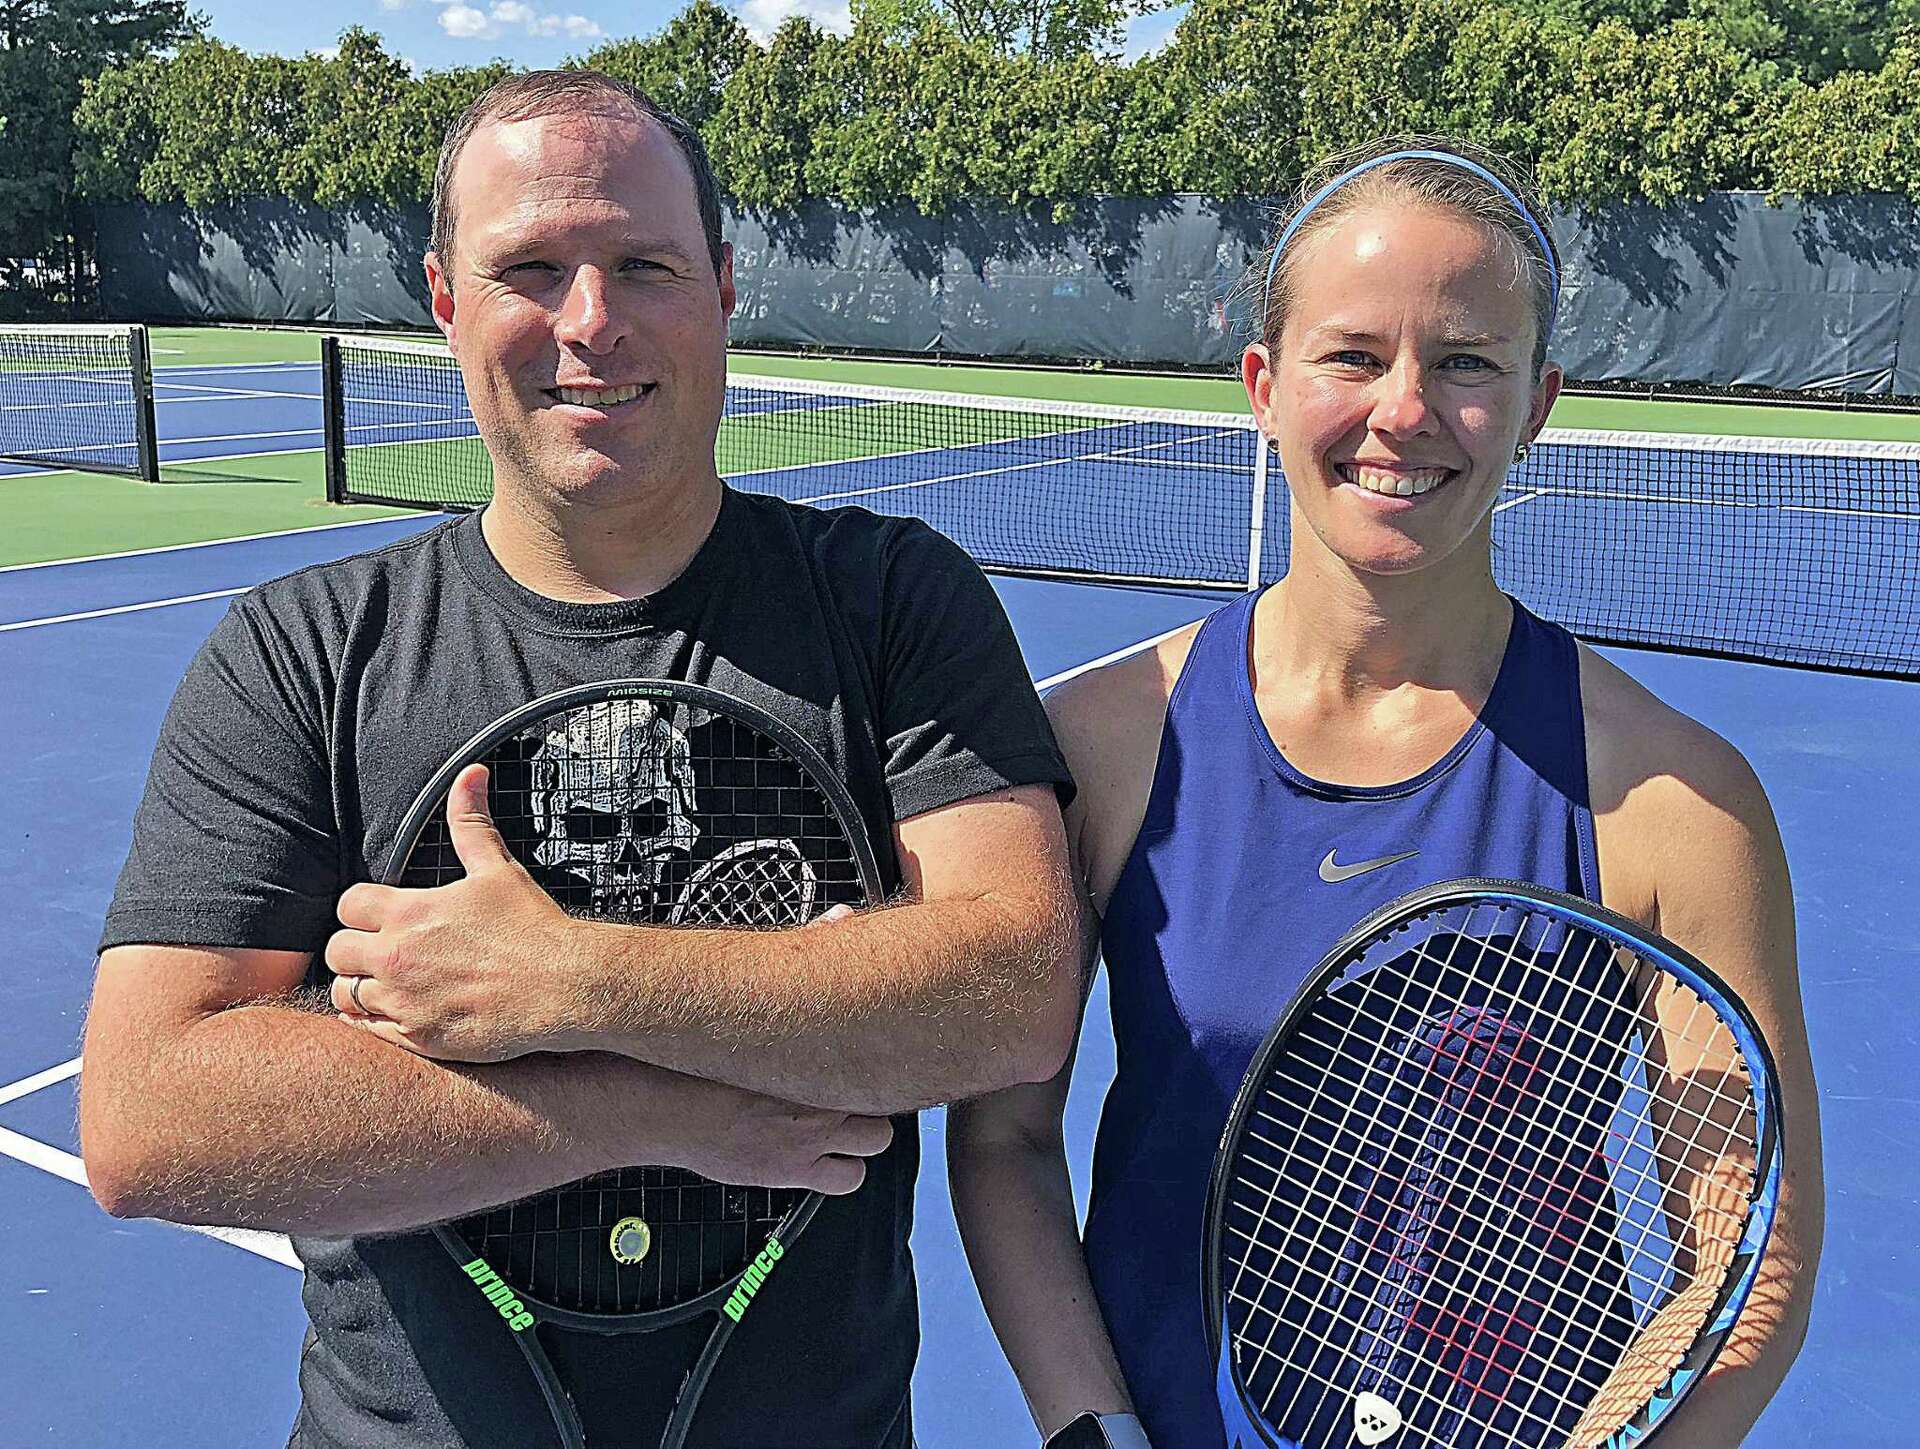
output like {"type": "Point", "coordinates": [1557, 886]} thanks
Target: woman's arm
{"type": "Point", "coordinates": [1006, 1152]}
{"type": "Point", "coordinates": [1688, 846]}
{"type": "Point", "coordinates": [1013, 1199]}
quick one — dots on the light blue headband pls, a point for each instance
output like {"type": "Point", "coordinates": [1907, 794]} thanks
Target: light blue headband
{"type": "Point", "coordinates": [1474, 167]}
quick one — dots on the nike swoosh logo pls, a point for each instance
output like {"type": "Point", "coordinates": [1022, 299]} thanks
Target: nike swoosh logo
{"type": "Point", "coordinates": [1333, 874]}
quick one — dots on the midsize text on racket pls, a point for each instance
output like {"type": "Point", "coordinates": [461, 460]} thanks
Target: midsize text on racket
{"type": "Point", "coordinates": [1501, 1175]}
{"type": "Point", "coordinates": [650, 802]}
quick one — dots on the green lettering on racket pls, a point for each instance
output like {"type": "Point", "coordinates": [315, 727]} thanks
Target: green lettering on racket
{"type": "Point", "coordinates": [499, 1295]}
{"type": "Point", "coordinates": [750, 1281]}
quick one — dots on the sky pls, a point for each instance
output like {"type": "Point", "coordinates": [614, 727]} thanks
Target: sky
{"type": "Point", "coordinates": [438, 34]}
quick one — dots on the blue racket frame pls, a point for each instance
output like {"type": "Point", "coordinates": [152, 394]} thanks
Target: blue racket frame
{"type": "Point", "coordinates": [1353, 957]}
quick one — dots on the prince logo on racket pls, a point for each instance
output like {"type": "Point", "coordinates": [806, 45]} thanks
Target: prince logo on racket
{"type": "Point", "coordinates": [553, 918]}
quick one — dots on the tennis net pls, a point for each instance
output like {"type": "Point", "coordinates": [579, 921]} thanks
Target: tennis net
{"type": "Point", "coordinates": [78, 397]}
{"type": "Point", "coordinates": [1790, 551]}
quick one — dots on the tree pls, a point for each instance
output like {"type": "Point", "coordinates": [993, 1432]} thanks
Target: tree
{"type": "Point", "coordinates": [47, 50]}
{"type": "Point", "coordinates": [1049, 30]}
{"type": "Point", "coordinates": [1226, 97]}
{"type": "Point", "coordinates": [359, 131]}
{"type": "Point", "coordinates": [1375, 67]}
{"type": "Point", "coordinates": [1811, 39]}
{"type": "Point", "coordinates": [1663, 117]}
{"type": "Point", "coordinates": [1507, 74]}
{"type": "Point", "coordinates": [865, 128]}
{"type": "Point", "coordinates": [687, 66]}
{"type": "Point", "coordinates": [763, 134]}
{"type": "Point", "coordinates": [1858, 132]}
{"type": "Point", "coordinates": [206, 125]}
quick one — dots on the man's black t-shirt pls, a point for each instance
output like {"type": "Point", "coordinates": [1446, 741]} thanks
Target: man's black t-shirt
{"type": "Point", "coordinates": [313, 716]}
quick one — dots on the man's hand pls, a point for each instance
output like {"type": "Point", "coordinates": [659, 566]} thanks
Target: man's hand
{"type": "Point", "coordinates": [475, 971]}
{"type": "Point", "coordinates": [741, 1137]}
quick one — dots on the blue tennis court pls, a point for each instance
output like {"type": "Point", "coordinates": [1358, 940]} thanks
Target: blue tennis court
{"type": "Point", "coordinates": [1791, 551]}
{"type": "Point", "coordinates": [142, 1334]}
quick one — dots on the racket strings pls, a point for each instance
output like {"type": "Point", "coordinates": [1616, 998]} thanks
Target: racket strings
{"type": "Point", "coordinates": [1494, 1137]}
{"type": "Point", "coordinates": [1721, 1111]}
{"type": "Point", "coordinates": [1490, 1315]}
{"type": "Point", "coordinates": [560, 1246]}
{"type": "Point", "coordinates": [656, 813]}
{"type": "Point", "coordinates": [1501, 1339]}
{"type": "Point", "coordinates": [1406, 1281]}
{"type": "Point", "coordinates": [1385, 1325]}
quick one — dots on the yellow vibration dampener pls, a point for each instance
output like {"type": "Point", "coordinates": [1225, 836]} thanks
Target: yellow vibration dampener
{"type": "Point", "coordinates": [630, 1241]}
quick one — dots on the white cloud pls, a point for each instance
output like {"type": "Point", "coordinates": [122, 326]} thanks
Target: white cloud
{"type": "Point", "coordinates": [577, 26]}
{"type": "Point", "coordinates": [763, 17]}
{"type": "Point", "coordinates": [463, 22]}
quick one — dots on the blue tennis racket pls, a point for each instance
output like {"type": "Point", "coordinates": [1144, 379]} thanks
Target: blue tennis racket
{"type": "Point", "coordinates": [1501, 1175]}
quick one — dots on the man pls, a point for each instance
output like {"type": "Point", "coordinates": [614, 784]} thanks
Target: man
{"type": "Point", "coordinates": [478, 1045]}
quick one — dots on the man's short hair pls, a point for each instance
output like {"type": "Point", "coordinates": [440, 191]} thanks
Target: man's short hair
{"type": "Point", "coordinates": [557, 92]}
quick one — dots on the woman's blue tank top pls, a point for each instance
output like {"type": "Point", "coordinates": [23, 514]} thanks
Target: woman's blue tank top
{"type": "Point", "coordinates": [1244, 874]}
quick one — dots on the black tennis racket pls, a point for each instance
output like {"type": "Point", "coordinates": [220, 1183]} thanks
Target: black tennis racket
{"type": "Point", "coordinates": [1502, 1174]}
{"type": "Point", "coordinates": [657, 803]}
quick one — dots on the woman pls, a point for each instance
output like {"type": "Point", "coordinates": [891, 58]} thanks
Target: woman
{"type": "Point", "coordinates": [1382, 718]}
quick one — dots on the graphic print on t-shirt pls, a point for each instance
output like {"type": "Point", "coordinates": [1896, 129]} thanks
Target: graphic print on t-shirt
{"type": "Point", "coordinates": [620, 808]}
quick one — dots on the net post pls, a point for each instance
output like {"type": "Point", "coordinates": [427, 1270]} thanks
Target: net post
{"type": "Point", "coordinates": [1257, 530]}
{"type": "Point", "coordinates": [146, 434]}
{"type": "Point", "coordinates": [333, 410]}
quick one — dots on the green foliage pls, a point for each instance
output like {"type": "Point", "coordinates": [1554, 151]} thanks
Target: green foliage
{"type": "Point", "coordinates": [1663, 117]}
{"type": "Point", "coordinates": [1811, 39]}
{"type": "Point", "coordinates": [211, 123]}
{"type": "Point", "coordinates": [1048, 30]}
{"type": "Point", "coordinates": [1378, 66]}
{"type": "Point", "coordinates": [941, 104]}
{"type": "Point", "coordinates": [863, 124]}
{"type": "Point", "coordinates": [218, 123]}
{"type": "Point", "coordinates": [1219, 111]}
{"type": "Point", "coordinates": [357, 126]}
{"type": "Point", "coordinates": [763, 134]}
{"type": "Point", "coordinates": [1858, 132]}
{"type": "Point", "coordinates": [48, 48]}
{"type": "Point", "coordinates": [685, 67]}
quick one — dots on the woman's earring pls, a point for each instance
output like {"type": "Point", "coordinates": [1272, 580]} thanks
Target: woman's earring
{"type": "Point", "coordinates": [1520, 453]}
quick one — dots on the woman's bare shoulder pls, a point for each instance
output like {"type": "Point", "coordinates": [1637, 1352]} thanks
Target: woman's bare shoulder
{"type": "Point", "coordinates": [1676, 806]}
{"type": "Point", "coordinates": [1109, 721]}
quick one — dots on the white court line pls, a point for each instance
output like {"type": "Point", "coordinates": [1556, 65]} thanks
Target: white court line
{"type": "Point", "coordinates": [1127, 653]}
{"type": "Point", "coordinates": [27, 1086]}
{"type": "Point", "coordinates": [6, 478]}
{"type": "Point", "coordinates": [56, 563]}
{"type": "Point", "coordinates": [222, 394]}
{"type": "Point", "coordinates": [272, 1246]}
{"type": "Point", "coordinates": [123, 609]}
{"type": "Point", "coordinates": [227, 369]}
